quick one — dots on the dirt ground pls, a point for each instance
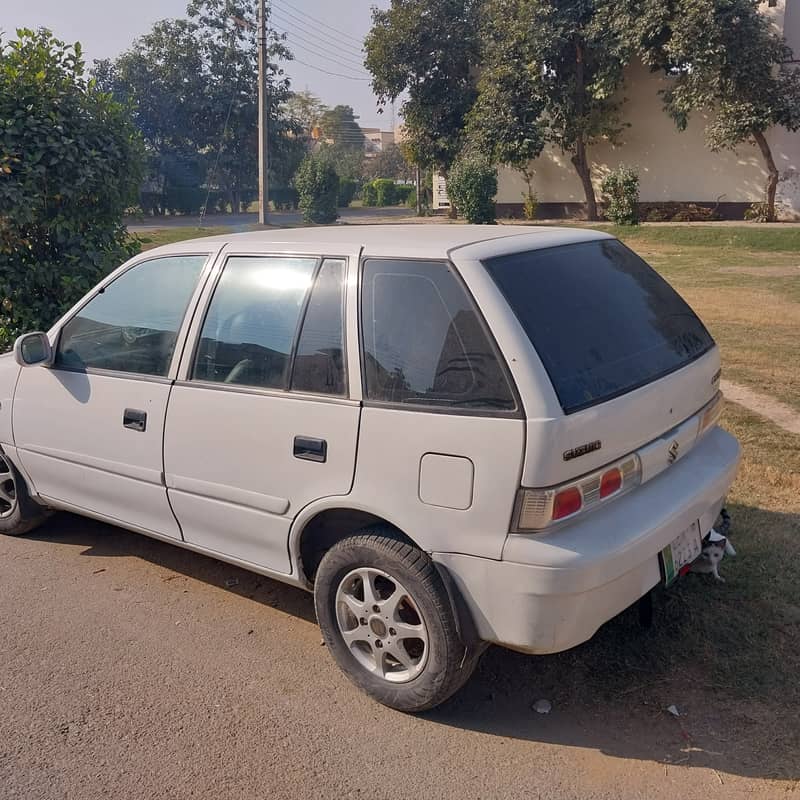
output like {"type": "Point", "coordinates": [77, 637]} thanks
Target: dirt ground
{"type": "Point", "coordinates": [133, 669]}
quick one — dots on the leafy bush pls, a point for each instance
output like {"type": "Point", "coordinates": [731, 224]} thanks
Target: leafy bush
{"type": "Point", "coordinates": [70, 164]}
{"type": "Point", "coordinates": [530, 204]}
{"type": "Point", "coordinates": [369, 195]}
{"type": "Point", "coordinates": [411, 200]}
{"type": "Point", "coordinates": [757, 212]}
{"type": "Point", "coordinates": [472, 185]}
{"type": "Point", "coordinates": [347, 191]}
{"type": "Point", "coordinates": [317, 184]}
{"type": "Point", "coordinates": [402, 192]}
{"type": "Point", "coordinates": [621, 186]}
{"type": "Point", "coordinates": [385, 191]}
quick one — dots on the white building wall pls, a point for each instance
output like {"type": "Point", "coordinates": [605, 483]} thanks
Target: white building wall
{"type": "Point", "coordinates": [673, 166]}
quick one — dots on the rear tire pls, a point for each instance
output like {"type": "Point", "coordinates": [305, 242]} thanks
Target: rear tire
{"type": "Point", "coordinates": [18, 513]}
{"type": "Point", "coordinates": [386, 618]}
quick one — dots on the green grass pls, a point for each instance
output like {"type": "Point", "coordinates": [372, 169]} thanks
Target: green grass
{"type": "Point", "coordinates": [162, 236]}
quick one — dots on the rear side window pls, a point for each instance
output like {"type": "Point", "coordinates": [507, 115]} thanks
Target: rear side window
{"type": "Point", "coordinates": [252, 320]}
{"type": "Point", "coordinates": [424, 342]}
{"type": "Point", "coordinates": [319, 363]}
{"type": "Point", "coordinates": [602, 321]}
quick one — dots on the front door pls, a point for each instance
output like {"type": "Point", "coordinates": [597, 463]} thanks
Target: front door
{"type": "Point", "coordinates": [89, 429]}
{"type": "Point", "coordinates": [261, 423]}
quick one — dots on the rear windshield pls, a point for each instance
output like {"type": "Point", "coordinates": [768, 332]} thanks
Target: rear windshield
{"type": "Point", "coordinates": [602, 321]}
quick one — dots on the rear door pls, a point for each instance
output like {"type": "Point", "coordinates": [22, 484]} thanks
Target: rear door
{"type": "Point", "coordinates": [261, 422]}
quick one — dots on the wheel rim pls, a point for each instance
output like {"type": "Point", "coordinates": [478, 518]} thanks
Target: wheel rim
{"type": "Point", "coordinates": [381, 625]}
{"type": "Point", "coordinates": [8, 489]}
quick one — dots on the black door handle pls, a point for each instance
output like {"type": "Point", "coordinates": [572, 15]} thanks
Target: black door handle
{"type": "Point", "coordinates": [310, 449]}
{"type": "Point", "coordinates": [135, 420]}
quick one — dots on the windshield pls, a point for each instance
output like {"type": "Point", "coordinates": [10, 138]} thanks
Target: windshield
{"type": "Point", "coordinates": [602, 321]}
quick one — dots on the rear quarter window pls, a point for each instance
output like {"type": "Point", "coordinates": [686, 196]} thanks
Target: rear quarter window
{"type": "Point", "coordinates": [602, 321]}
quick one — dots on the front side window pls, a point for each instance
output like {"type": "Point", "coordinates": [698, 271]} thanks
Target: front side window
{"type": "Point", "coordinates": [424, 343]}
{"type": "Point", "coordinates": [252, 321]}
{"type": "Point", "coordinates": [132, 324]}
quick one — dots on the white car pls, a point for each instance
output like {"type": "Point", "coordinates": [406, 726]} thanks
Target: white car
{"type": "Point", "coordinates": [453, 435]}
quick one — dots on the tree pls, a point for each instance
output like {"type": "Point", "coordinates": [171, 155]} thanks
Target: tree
{"type": "Point", "coordinates": [305, 110]}
{"type": "Point", "coordinates": [724, 57]}
{"type": "Point", "coordinates": [388, 163]}
{"type": "Point", "coordinates": [429, 50]}
{"type": "Point", "coordinates": [559, 65]}
{"type": "Point", "coordinates": [318, 186]}
{"type": "Point", "coordinates": [70, 164]}
{"type": "Point", "coordinates": [193, 86]}
{"type": "Point", "coordinates": [342, 141]}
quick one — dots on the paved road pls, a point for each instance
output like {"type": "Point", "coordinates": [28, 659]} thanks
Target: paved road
{"type": "Point", "coordinates": [349, 215]}
{"type": "Point", "coordinates": [132, 669]}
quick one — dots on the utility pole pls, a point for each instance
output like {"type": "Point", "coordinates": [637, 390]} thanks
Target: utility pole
{"type": "Point", "coordinates": [263, 118]}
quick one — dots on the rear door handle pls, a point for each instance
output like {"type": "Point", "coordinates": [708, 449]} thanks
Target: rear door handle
{"type": "Point", "coordinates": [135, 420]}
{"type": "Point", "coordinates": [310, 449]}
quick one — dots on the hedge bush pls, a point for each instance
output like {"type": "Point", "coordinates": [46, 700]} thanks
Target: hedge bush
{"type": "Point", "coordinates": [471, 186]}
{"type": "Point", "coordinates": [347, 191]}
{"type": "Point", "coordinates": [317, 184]}
{"type": "Point", "coordinates": [621, 187]}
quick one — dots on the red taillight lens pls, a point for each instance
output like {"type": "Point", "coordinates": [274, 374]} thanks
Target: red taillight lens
{"type": "Point", "coordinates": [567, 502]}
{"type": "Point", "coordinates": [610, 482]}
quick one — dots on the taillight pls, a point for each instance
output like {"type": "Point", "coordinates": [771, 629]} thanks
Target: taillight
{"type": "Point", "coordinates": [610, 482]}
{"type": "Point", "coordinates": [539, 508]}
{"type": "Point", "coordinates": [710, 415]}
{"type": "Point", "coordinates": [567, 502]}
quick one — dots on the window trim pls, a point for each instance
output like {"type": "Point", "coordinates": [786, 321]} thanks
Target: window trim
{"type": "Point", "coordinates": [204, 308]}
{"type": "Point", "coordinates": [518, 412]}
{"type": "Point", "coordinates": [181, 333]}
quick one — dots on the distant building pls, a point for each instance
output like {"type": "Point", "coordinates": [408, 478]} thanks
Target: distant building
{"type": "Point", "coordinates": [377, 140]}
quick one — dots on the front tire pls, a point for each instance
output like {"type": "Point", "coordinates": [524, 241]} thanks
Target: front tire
{"type": "Point", "coordinates": [387, 620]}
{"type": "Point", "coordinates": [18, 513]}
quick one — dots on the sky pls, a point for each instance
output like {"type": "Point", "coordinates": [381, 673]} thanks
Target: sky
{"type": "Point", "coordinates": [323, 34]}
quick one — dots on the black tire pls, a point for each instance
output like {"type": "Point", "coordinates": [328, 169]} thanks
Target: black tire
{"type": "Point", "coordinates": [18, 513]}
{"type": "Point", "coordinates": [445, 663]}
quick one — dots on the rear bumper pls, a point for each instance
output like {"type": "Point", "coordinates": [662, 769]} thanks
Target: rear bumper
{"type": "Point", "coordinates": [552, 591]}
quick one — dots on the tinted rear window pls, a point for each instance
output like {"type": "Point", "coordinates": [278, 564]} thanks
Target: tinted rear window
{"type": "Point", "coordinates": [602, 321]}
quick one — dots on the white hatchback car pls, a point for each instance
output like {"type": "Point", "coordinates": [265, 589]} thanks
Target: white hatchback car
{"type": "Point", "coordinates": [453, 435]}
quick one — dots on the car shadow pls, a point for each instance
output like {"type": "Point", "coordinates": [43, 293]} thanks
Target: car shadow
{"type": "Point", "coordinates": [737, 708]}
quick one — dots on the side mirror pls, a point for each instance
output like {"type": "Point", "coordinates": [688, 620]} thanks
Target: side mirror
{"type": "Point", "coordinates": [31, 349]}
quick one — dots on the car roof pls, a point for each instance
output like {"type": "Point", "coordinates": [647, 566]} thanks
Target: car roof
{"type": "Point", "coordinates": [419, 240]}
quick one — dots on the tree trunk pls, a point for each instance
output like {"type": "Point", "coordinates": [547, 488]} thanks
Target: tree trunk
{"type": "Point", "coordinates": [773, 174]}
{"type": "Point", "coordinates": [581, 164]}
{"type": "Point", "coordinates": [579, 159]}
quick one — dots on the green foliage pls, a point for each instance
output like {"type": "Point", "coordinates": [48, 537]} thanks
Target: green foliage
{"type": "Point", "coordinates": [621, 186]}
{"type": "Point", "coordinates": [428, 51]}
{"type": "Point", "coordinates": [389, 163]}
{"type": "Point", "coordinates": [70, 164]}
{"type": "Point", "coordinates": [757, 212]}
{"type": "Point", "coordinates": [402, 191]}
{"type": "Point", "coordinates": [411, 198]}
{"type": "Point", "coordinates": [284, 198]}
{"type": "Point", "coordinates": [472, 185]}
{"type": "Point", "coordinates": [385, 192]}
{"type": "Point", "coordinates": [369, 195]}
{"type": "Point", "coordinates": [725, 59]}
{"type": "Point", "coordinates": [347, 191]}
{"type": "Point", "coordinates": [530, 205]}
{"type": "Point", "coordinates": [192, 83]}
{"type": "Point", "coordinates": [343, 141]}
{"type": "Point", "coordinates": [317, 184]}
{"type": "Point", "coordinates": [552, 71]}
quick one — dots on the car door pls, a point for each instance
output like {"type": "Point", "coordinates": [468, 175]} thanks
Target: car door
{"type": "Point", "coordinates": [89, 429]}
{"type": "Point", "coordinates": [261, 422]}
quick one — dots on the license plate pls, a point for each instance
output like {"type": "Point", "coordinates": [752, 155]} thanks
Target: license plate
{"type": "Point", "coordinates": [679, 553]}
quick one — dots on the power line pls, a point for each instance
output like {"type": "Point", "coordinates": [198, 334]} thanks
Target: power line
{"type": "Point", "coordinates": [328, 72]}
{"type": "Point", "coordinates": [317, 50]}
{"type": "Point", "coordinates": [319, 21]}
{"type": "Point", "coordinates": [324, 38]}
{"type": "Point", "coordinates": [307, 52]}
